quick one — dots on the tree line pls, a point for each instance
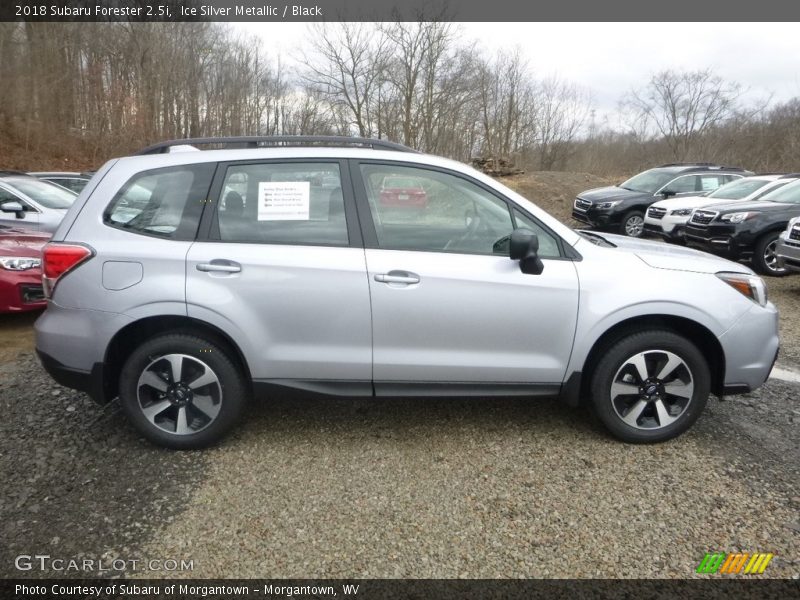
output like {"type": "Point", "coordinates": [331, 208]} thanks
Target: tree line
{"type": "Point", "coordinates": [111, 88]}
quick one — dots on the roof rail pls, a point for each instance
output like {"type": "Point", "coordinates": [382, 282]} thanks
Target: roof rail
{"type": "Point", "coordinates": [6, 173]}
{"type": "Point", "coordinates": [256, 141]}
{"type": "Point", "coordinates": [689, 164]}
{"type": "Point", "coordinates": [790, 176]}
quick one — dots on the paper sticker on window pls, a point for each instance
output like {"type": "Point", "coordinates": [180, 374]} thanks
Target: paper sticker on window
{"type": "Point", "coordinates": [284, 200]}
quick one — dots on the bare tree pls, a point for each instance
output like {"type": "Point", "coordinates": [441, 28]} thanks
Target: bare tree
{"type": "Point", "coordinates": [346, 66]}
{"type": "Point", "coordinates": [684, 105]}
{"type": "Point", "coordinates": [563, 111]}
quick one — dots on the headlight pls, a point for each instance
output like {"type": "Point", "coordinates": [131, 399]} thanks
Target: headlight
{"type": "Point", "coordinates": [791, 224]}
{"type": "Point", "coordinates": [681, 212]}
{"type": "Point", "coordinates": [17, 263]}
{"type": "Point", "coordinates": [603, 205]}
{"type": "Point", "coordinates": [738, 217]}
{"type": "Point", "coordinates": [748, 285]}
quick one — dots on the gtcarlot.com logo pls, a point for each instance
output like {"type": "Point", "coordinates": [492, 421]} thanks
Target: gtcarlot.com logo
{"type": "Point", "coordinates": [735, 563]}
{"type": "Point", "coordinates": [45, 562]}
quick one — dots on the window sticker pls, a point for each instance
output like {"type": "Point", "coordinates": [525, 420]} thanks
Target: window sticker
{"type": "Point", "coordinates": [284, 200]}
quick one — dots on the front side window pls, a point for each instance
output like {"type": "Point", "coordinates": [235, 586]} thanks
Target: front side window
{"type": "Point", "coordinates": [681, 185]}
{"type": "Point", "coordinates": [283, 203]}
{"type": "Point", "coordinates": [164, 202]}
{"type": "Point", "coordinates": [419, 209]}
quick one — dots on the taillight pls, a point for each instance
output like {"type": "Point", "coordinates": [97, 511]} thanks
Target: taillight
{"type": "Point", "coordinates": [59, 259]}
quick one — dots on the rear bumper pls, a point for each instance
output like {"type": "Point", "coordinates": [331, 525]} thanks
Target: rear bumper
{"type": "Point", "coordinates": [90, 382]}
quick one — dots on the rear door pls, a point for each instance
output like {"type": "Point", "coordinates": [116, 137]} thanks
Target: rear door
{"type": "Point", "coordinates": [448, 304]}
{"type": "Point", "coordinates": [280, 266]}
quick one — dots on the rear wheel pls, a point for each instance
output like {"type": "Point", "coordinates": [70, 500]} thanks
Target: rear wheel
{"type": "Point", "coordinates": [633, 224]}
{"type": "Point", "coordinates": [181, 391]}
{"type": "Point", "coordinates": [765, 259]}
{"type": "Point", "coordinates": [650, 386]}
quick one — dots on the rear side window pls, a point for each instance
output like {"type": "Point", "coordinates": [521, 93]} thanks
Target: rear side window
{"type": "Point", "coordinates": [283, 203]}
{"type": "Point", "coordinates": [164, 202]}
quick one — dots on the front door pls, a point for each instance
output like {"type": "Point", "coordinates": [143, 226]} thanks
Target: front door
{"type": "Point", "coordinates": [448, 305]}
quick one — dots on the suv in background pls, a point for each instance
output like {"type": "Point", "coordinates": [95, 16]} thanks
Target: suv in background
{"type": "Point", "coordinates": [787, 249]}
{"type": "Point", "coordinates": [30, 203]}
{"type": "Point", "coordinates": [75, 182]}
{"type": "Point", "coordinates": [747, 230]}
{"type": "Point", "coordinates": [185, 308]}
{"type": "Point", "coordinates": [623, 207]}
{"type": "Point", "coordinates": [668, 218]}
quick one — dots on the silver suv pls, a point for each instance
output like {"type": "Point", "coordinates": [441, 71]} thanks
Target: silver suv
{"type": "Point", "coordinates": [185, 283]}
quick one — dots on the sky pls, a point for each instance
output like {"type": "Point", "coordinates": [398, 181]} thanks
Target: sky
{"type": "Point", "coordinates": [609, 59]}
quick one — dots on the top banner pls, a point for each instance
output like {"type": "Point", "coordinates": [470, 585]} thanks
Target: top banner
{"type": "Point", "coordinates": [398, 10]}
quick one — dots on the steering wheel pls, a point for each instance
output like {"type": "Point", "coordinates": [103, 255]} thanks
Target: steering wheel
{"type": "Point", "coordinates": [472, 228]}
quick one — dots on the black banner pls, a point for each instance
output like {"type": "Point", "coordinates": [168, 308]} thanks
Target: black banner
{"type": "Point", "coordinates": [387, 589]}
{"type": "Point", "coordinates": [394, 10]}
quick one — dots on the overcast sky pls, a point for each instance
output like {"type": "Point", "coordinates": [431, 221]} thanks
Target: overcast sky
{"type": "Point", "coordinates": [610, 58]}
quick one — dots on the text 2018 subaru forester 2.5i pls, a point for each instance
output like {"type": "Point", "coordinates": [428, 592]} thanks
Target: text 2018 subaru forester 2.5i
{"type": "Point", "coordinates": [241, 271]}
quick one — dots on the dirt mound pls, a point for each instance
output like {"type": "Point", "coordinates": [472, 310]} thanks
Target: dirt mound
{"type": "Point", "coordinates": [555, 191]}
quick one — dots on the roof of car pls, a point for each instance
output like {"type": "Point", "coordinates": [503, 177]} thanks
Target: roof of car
{"type": "Point", "coordinates": [685, 167]}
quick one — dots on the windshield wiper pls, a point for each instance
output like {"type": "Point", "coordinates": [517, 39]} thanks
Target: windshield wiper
{"type": "Point", "coordinates": [595, 238]}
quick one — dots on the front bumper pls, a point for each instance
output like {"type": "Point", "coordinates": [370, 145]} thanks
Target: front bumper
{"type": "Point", "coordinates": [788, 255]}
{"type": "Point", "coordinates": [751, 348]}
{"type": "Point", "coordinates": [721, 239]}
{"type": "Point", "coordinates": [596, 217]}
{"type": "Point", "coordinates": [21, 291]}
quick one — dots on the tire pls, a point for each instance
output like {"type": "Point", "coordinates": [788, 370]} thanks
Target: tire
{"type": "Point", "coordinates": [633, 224]}
{"type": "Point", "coordinates": [182, 415]}
{"type": "Point", "coordinates": [657, 409]}
{"type": "Point", "coordinates": [764, 259]}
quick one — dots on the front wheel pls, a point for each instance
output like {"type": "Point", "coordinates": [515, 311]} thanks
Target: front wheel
{"type": "Point", "coordinates": [181, 391]}
{"type": "Point", "coordinates": [765, 258]}
{"type": "Point", "coordinates": [633, 224]}
{"type": "Point", "coordinates": [650, 386]}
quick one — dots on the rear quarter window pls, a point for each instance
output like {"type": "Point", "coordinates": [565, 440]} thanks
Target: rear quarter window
{"type": "Point", "coordinates": [163, 202]}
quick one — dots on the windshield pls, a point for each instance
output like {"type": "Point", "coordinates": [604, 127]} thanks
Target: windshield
{"type": "Point", "coordinates": [736, 190]}
{"type": "Point", "coordinates": [649, 181]}
{"type": "Point", "coordinates": [789, 194]}
{"type": "Point", "coordinates": [44, 193]}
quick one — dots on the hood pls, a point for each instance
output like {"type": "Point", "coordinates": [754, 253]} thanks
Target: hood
{"type": "Point", "coordinates": [21, 242]}
{"type": "Point", "coordinates": [683, 202]}
{"type": "Point", "coordinates": [676, 258]}
{"type": "Point", "coordinates": [612, 192]}
{"type": "Point", "coordinates": [729, 207]}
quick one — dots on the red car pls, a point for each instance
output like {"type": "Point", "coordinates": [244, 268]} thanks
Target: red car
{"type": "Point", "coordinates": [401, 192]}
{"type": "Point", "coordinates": [21, 269]}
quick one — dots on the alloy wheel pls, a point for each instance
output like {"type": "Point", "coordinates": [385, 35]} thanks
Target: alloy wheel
{"type": "Point", "coordinates": [634, 226]}
{"type": "Point", "coordinates": [179, 394]}
{"type": "Point", "coordinates": [652, 389]}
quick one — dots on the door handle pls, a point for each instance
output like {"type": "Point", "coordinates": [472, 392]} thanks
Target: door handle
{"type": "Point", "coordinates": [220, 266]}
{"type": "Point", "coordinates": [397, 277]}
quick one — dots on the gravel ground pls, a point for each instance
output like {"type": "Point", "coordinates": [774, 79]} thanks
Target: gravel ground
{"type": "Point", "coordinates": [311, 487]}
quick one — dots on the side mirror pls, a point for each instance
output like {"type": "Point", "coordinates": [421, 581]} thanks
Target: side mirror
{"type": "Point", "coordinates": [668, 194]}
{"type": "Point", "coordinates": [524, 247]}
{"type": "Point", "coordinates": [13, 207]}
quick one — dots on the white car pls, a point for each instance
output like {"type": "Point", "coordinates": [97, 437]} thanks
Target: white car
{"type": "Point", "coordinates": [667, 218]}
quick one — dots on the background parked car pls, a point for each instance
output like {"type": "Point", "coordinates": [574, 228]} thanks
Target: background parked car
{"type": "Point", "coordinates": [403, 192]}
{"type": "Point", "coordinates": [623, 206]}
{"type": "Point", "coordinates": [30, 203]}
{"type": "Point", "coordinates": [74, 182]}
{"type": "Point", "coordinates": [20, 269]}
{"type": "Point", "coordinates": [747, 229]}
{"type": "Point", "coordinates": [668, 218]}
{"type": "Point", "coordinates": [787, 249]}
